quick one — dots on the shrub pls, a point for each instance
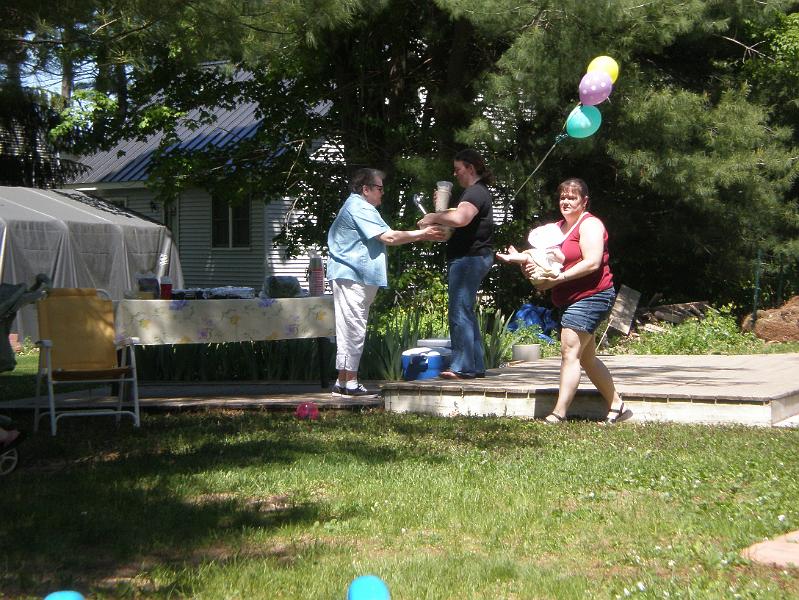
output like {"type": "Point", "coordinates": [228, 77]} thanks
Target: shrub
{"type": "Point", "coordinates": [717, 333]}
{"type": "Point", "coordinates": [527, 334]}
{"type": "Point", "coordinates": [497, 340]}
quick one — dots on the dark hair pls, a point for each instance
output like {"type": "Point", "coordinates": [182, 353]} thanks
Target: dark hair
{"type": "Point", "coordinates": [363, 177]}
{"type": "Point", "coordinates": [473, 157]}
{"type": "Point", "coordinates": [574, 182]}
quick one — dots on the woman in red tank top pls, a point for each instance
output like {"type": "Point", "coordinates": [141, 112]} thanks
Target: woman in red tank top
{"type": "Point", "coordinates": [583, 290]}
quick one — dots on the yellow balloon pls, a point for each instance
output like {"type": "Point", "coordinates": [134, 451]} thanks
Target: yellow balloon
{"type": "Point", "coordinates": [606, 64]}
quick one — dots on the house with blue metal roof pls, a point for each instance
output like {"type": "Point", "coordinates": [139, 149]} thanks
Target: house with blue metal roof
{"type": "Point", "coordinates": [219, 244]}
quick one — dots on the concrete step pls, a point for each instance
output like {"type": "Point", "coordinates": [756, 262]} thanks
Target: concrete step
{"type": "Point", "coordinates": [750, 390]}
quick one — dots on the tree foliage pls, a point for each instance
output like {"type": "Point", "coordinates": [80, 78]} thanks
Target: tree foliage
{"type": "Point", "coordinates": [692, 170]}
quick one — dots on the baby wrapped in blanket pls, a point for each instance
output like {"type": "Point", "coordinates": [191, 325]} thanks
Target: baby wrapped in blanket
{"type": "Point", "coordinates": [545, 252]}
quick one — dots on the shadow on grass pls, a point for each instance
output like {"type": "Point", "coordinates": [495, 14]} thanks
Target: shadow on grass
{"type": "Point", "coordinates": [81, 530]}
{"type": "Point", "coordinates": [98, 501]}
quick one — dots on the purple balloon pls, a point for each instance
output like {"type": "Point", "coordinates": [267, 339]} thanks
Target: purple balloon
{"type": "Point", "coordinates": [595, 87]}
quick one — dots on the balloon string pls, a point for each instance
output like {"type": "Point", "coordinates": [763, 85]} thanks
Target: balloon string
{"type": "Point", "coordinates": [560, 137]}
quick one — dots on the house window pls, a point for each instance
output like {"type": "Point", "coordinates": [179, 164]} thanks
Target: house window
{"type": "Point", "coordinates": [230, 225]}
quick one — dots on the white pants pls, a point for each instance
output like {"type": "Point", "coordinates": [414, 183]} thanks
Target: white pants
{"type": "Point", "coordinates": [351, 301]}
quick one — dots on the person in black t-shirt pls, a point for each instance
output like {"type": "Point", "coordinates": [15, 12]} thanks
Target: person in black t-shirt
{"type": "Point", "coordinates": [470, 254]}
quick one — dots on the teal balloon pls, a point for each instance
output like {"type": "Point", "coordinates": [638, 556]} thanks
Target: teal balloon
{"type": "Point", "coordinates": [583, 121]}
{"type": "Point", "coordinates": [65, 595]}
{"type": "Point", "coordinates": [368, 587]}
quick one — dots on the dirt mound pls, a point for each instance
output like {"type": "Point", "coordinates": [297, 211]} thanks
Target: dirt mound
{"type": "Point", "coordinates": [777, 324]}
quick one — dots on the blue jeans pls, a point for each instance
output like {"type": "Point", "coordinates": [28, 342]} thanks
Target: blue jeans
{"type": "Point", "coordinates": [464, 275]}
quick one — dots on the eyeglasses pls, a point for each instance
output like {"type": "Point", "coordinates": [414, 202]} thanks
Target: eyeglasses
{"type": "Point", "coordinates": [379, 187]}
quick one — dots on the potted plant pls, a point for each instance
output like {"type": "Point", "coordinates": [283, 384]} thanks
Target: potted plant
{"type": "Point", "coordinates": [526, 343]}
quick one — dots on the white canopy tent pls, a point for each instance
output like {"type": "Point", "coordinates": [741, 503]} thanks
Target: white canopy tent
{"type": "Point", "coordinates": [78, 241]}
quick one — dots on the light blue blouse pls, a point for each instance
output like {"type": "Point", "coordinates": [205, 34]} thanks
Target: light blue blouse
{"type": "Point", "coordinates": [355, 252]}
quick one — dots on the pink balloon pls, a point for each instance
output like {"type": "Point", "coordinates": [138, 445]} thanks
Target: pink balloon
{"type": "Point", "coordinates": [595, 87]}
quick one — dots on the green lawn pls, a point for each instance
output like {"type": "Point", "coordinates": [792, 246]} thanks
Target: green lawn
{"type": "Point", "coordinates": [21, 382]}
{"type": "Point", "coordinates": [259, 505]}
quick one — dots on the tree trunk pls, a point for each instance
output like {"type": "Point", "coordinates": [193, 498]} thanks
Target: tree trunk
{"type": "Point", "coordinates": [13, 58]}
{"type": "Point", "coordinates": [67, 65]}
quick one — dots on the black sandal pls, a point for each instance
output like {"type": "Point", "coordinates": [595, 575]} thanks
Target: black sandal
{"type": "Point", "coordinates": [558, 420]}
{"type": "Point", "coordinates": [612, 419]}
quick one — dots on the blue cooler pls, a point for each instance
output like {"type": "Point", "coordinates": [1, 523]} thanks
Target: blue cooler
{"type": "Point", "coordinates": [425, 362]}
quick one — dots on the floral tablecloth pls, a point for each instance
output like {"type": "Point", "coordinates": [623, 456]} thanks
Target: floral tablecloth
{"type": "Point", "coordinates": [216, 321]}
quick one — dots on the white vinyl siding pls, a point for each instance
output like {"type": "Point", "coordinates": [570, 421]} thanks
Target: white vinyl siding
{"type": "Point", "coordinates": [276, 262]}
{"type": "Point", "coordinates": [204, 266]}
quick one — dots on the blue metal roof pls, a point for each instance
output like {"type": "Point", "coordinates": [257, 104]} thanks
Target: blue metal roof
{"type": "Point", "coordinates": [130, 160]}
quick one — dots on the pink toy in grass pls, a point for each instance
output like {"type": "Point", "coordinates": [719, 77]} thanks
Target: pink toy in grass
{"type": "Point", "coordinates": [307, 411]}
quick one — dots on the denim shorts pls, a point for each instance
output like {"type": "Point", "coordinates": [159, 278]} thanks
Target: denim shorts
{"type": "Point", "coordinates": [587, 314]}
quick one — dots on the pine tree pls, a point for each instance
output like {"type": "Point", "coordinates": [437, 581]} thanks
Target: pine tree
{"type": "Point", "coordinates": [692, 169]}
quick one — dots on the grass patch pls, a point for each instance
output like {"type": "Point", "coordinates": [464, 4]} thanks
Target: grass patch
{"type": "Point", "coordinates": [21, 382]}
{"type": "Point", "coordinates": [259, 505]}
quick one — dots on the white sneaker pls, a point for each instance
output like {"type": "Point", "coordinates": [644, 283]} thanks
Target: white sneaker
{"type": "Point", "coordinates": [360, 392]}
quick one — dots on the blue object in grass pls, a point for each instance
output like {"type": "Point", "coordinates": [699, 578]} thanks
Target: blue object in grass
{"type": "Point", "coordinates": [65, 595]}
{"type": "Point", "coordinates": [529, 315]}
{"type": "Point", "coordinates": [368, 587]}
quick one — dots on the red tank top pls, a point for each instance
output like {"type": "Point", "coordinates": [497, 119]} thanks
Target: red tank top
{"type": "Point", "coordinates": [570, 292]}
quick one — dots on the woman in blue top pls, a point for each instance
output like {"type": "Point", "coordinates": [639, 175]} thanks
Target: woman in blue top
{"type": "Point", "coordinates": [470, 254]}
{"type": "Point", "coordinates": [356, 268]}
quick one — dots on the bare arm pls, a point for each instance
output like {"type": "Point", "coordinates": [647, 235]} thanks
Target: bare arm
{"type": "Point", "coordinates": [543, 285]}
{"type": "Point", "coordinates": [397, 238]}
{"type": "Point", "coordinates": [512, 255]}
{"type": "Point", "coordinates": [460, 217]}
